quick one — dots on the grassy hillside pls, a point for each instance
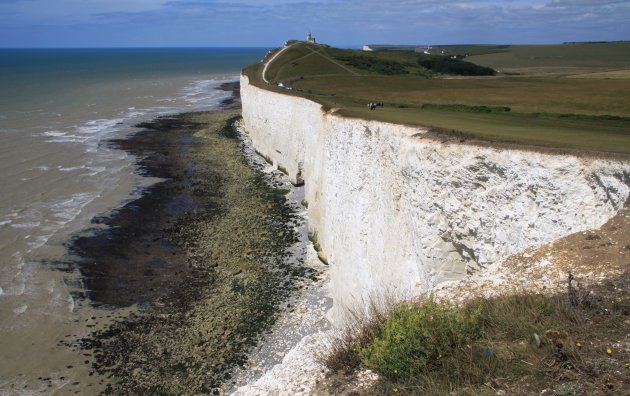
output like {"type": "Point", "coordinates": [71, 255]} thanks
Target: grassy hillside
{"type": "Point", "coordinates": [591, 114]}
{"type": "Point", "coordinates": [303, 60]}
{"type": "Point", "coordinates": [557, 59]}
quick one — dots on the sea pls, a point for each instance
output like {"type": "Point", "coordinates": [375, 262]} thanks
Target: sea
{"type": "Point", "coordinates": [58, 109]}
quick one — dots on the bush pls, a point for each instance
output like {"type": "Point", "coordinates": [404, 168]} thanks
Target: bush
{"type": "Point", "coordinates": [580, 117]}
{"type": "Point", "coordinates": [415, 338]}
{"type": "Point", "coordinates": [429, 347]}
{"type": "Point", "coordinates": [447, 65]}
{"type": "Point", "coordinates": [375, 65]}
{"type": "Point", "coordinates": [465, 108]}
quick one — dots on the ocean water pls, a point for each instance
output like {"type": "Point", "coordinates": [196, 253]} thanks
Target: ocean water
{"type": "Point", "coordinates": [58, 109]}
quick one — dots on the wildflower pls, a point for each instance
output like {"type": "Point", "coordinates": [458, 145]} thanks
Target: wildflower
{"type": "Point", "coordinates": [395, 390]}
{"type": "Point", "coordinates": [578, 344]}
{"type": "Point", "coordinates": [609, 351]}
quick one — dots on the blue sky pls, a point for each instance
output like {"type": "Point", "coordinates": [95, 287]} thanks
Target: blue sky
{"type": "Point", "coordinates": [248, 23]}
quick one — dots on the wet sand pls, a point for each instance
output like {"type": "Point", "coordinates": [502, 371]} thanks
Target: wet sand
{"type": "Point", "coordinates": [202, 260]}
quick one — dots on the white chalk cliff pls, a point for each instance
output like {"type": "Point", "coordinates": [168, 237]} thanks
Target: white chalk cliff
{"type": "Point", "coordinates": [398, 212]}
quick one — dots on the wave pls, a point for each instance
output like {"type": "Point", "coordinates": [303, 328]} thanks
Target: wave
{"type": "Point", "coordinates": [89, 171]}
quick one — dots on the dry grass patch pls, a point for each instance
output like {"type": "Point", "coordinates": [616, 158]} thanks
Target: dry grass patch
{"type": "Point", "coordinates": [616, 74]}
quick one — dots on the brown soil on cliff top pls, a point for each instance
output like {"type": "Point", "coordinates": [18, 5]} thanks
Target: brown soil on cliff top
{"type": "Point", "coordinates": [599, 259]}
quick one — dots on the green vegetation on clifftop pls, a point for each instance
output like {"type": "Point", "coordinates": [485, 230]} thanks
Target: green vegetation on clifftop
{"type": "Point", "coordinates": [517, 344]}
{"type": "Point", "coordinates": [562, 110]}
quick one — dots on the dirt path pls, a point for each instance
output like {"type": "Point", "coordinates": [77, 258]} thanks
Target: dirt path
{"type": "Point", "coordinates": [270, 61]}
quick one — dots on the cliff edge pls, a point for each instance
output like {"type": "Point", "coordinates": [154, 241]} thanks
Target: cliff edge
{"type": "Point", "coordinates": [397, 211]}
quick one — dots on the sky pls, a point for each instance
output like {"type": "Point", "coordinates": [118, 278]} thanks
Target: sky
{"type": "Point", "coordinates": [345, 23]}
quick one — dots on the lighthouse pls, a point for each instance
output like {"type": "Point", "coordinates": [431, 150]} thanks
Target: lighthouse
{"type": "Point", "coordinates": [309, 38]}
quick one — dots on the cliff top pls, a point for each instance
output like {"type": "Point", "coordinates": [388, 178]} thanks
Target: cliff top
{"type": "Point", "coordinates": [565, 96]}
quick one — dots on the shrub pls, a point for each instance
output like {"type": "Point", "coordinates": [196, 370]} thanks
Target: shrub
{"type": "Point", "coordinates": [466, 108]}
{"type": "Point", "coordinates": [429, 347]}
{"type": "Point", "coordinates": [580, 117]}
{"type": "Point", "coordinates": [343, 351]}
{"type": "Point", "coordinates": [375, 65]}
{"type": "Point", "coordinates": [415, 338]}
{"type": "Point", "coordinates": [447, 65]}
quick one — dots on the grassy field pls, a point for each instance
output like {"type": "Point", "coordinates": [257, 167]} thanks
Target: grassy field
{"type": "Point", "coordinates": [558, 95]}
{"type": "Point", "coordinates": [615, 74]}
{"type": "Point", "coordinates": [539, 104]}
{"type": "Point", "coordinates": [557, 59]}
{"type": "Point", "coordinates": [303, 61]}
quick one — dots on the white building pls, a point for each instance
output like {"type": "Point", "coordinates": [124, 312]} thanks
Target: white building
{"type": "Point", "coordinates": [310, 38]}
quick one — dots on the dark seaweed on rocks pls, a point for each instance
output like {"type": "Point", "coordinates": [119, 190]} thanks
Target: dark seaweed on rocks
{"type": "Point", "coordinates": [136, 260]}
{"type": "Point", "coordinates": [203, 253]}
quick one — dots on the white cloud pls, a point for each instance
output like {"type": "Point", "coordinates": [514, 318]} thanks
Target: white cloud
{"type": "Point", "coordinates": [353, 20]}
{"type": "Point", "coordinates": [76, 10]}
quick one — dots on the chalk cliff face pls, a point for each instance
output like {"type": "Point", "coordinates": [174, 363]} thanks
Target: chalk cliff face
{"type": "Point", "coordinates": [396, 211]}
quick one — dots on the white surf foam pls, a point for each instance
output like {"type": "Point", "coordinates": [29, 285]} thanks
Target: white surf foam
{"type": "Point", "coordinates": [99, 126]}
{"type": "Point", "coordinates": [203, 94]}
{"type": "Point", "coordinates": [54, 133]}
{"type": "Point", "coordinates": [94, 171]}
{"type": "Point", "coordinates": [68, 139]}
{"type": "Point", "coordinates": [70, 169]}
{"type": "Point", "coordinates": [26, 225]}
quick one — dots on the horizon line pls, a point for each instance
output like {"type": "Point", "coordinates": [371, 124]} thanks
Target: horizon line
{"type": "Point", "coordinates": [280, 45]}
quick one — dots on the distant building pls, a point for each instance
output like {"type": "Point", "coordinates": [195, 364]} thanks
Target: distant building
{"type": "Point", "coordinates": [310, 38]}
{"type": "Point", "coordinates": [367, 48]}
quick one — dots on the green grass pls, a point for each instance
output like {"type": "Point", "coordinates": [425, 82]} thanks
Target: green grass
{"type": "Point", "coordinates": [557, 59]}
{"type": "Point", "coordinates": [478, 49]}
{"type": "Point", "coordinates": [430, 347]}
{"type": "Point", "coordinates": [588, 114]}
{"type": "Point", "coordinates": [525, 95]}
{"type": "Point", "coordinates": [416, 338]}
{"type": "Point", "coordinates": [605, 136]}
{"type": "Point", "coordinates": [303, 60]}
{"type": "Point", "coordinates": [380, 63]}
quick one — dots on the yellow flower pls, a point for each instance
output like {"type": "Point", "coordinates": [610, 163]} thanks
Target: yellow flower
{"type": "Point", "coordinates": [609, 351]}
{"type": "Point", "coordinates": [578, 344]}
{"type": "Point", "coordinates": [395, 390]}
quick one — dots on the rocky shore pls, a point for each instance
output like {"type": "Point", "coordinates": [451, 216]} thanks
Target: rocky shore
{"type": "Point", "coordinates": [205, 259]}
{"type": "Point", "coordinates": [541, 270]}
